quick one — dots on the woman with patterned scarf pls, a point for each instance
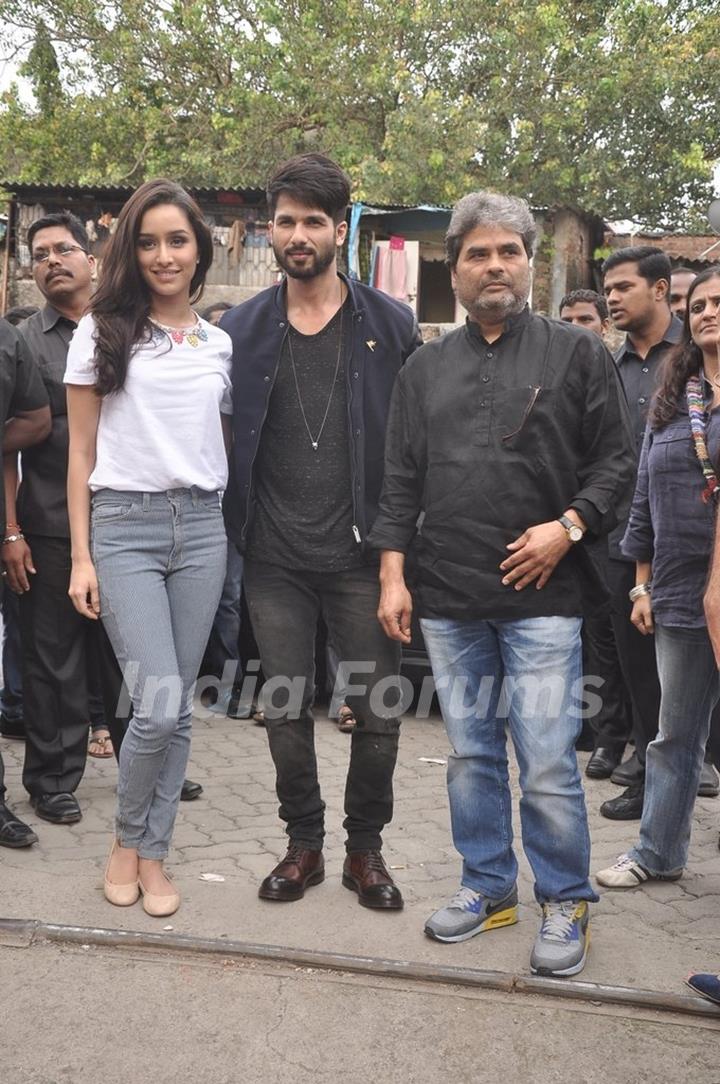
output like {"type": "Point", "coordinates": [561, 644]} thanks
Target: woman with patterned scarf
{"type": "Point", "coordinates": [670, 536]}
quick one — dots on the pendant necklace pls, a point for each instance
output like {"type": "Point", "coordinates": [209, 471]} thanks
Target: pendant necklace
{"type": "Point", "coordinates": [315, 440]}
{"type": "Point", "coordinates": [193, 335]}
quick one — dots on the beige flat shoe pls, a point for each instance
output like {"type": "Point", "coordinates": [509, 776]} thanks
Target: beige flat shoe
{"type": "Point", "coordinates": [159, 906]}
{"type": "Point", "coordinates": [119, 895]}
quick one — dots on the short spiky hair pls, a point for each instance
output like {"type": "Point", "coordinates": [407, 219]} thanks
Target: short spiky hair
{"type": "Point", "coordinates": [60, 218]}
{"type": "Point", "coordinates": [315, 181]}
{"type": "Point", "coordinates": [652, 263]}
{"type": "Point", "coordinates": [590, 297]}
{"type": "Point", "coordinates": [488, 209]}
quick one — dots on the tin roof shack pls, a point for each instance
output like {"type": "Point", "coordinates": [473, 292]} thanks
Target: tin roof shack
{"type": "Point", "coordinates": [243, 259]}
{"type": "Point", "coordinates": [398, 248]}
{"type": "Point", "coordinates": [694, 250]}
{"type": "Point", "coordinates": [401, 250]}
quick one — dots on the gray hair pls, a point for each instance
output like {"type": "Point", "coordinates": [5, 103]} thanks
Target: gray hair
{"type": "Point", "coordinates": [488, 209]}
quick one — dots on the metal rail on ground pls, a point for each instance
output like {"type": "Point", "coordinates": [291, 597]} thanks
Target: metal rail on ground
{"type": "Point", "coordinates": [29, 932]}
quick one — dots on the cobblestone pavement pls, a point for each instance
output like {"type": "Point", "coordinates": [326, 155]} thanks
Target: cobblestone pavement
{"type": "Point", "coordinates": [649, 937]}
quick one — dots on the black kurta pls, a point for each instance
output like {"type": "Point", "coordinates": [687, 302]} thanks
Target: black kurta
{"type": "Point", "coordinates": [488, 439]}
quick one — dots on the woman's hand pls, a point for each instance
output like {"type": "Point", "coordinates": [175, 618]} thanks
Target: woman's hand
{"type": "Point", "coordinates": [84, 589]}
{"type": "Point", "coordinates": [17, 561]}
{"type": "Point", "coordinates": [641, 615]}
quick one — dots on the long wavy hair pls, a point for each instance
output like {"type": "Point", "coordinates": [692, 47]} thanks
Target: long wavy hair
{"type": "Point", "coordinates": [121, 303]}
{"type": "Point", "coordinates": [680, 363]}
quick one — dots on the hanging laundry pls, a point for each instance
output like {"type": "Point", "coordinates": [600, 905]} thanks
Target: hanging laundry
{"type": "Point", "coordinates": [391, 269]}
{"type": "Point", "coordinates": [236, 242]}
{"type": "Point", "coordinates": [397, 269]}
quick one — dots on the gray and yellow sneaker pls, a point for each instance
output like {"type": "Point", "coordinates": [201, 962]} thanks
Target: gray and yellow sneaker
{"type": "Point", "coordinates": [470, 912]}
{"type": "Point", "coordinates": [561, 946]}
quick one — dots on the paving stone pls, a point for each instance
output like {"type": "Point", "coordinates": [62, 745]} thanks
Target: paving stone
{"type": "Point", "coordinates": [648, 937]}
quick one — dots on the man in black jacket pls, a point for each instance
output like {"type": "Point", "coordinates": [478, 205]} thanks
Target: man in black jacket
{"type": "Point", "coordinates": [511, 435]}
{"type": "Point", "coordinates": [24, 402]}
{"type": "Point", "coordinates": [314, 363]}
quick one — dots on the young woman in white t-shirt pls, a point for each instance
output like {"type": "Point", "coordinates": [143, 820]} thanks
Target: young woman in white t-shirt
{"type": "Point", "coordinates": [148, 409]}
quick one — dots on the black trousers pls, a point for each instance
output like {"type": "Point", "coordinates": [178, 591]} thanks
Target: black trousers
{"type": "Point", "coordinates": [637, 658]}
{"type": "Point", "coordinates": [2, 780]}
{"type": "Point", "coordinates": [612, 725]}
{"type": "Point", "coordinates": [60, 650]}
{"type": "Point", "coordinates": [285, 606]}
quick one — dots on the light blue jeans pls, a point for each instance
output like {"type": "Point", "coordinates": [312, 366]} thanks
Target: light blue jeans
{"type": "Point", "coordinates": [160, 562]}
{"type": "Point", "coordinates": [528, 674]}
{"type": "Point", "coordinates": [689, 690]}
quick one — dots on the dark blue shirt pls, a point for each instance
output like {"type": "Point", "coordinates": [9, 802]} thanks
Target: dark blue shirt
{"type": "Point", "coordinates": [670, 525]}
{"type": "Point", "coordinates": [640, 378]}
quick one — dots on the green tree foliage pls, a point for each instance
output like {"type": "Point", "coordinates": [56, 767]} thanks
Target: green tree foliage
{"type": "Point", "coordinates": [610, 105]}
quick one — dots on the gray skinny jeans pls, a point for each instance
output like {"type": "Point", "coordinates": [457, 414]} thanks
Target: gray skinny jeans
{"type": "Point", "coordinates": [160, 561]}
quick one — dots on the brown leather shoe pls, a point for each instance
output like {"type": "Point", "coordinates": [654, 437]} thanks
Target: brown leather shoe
{"type": "Point", "coordinates": [365, 872]}
{"type": "Point", "coordinates": [299, 869]}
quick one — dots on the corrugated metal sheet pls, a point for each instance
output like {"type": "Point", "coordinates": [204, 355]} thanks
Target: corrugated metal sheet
{"type": "Point", "coordinates": [26, 189]}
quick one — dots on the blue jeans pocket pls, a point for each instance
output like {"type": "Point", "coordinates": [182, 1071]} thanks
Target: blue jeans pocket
{"type": "Point", "coordinates": [110, 511]}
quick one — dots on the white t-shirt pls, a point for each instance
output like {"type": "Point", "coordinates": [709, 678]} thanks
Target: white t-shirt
{"type": "Point", "coordinates": [162, 430]}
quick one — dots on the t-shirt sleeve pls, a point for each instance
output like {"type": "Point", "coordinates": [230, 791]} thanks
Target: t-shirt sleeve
{"type": "Point", "coordinates": [80, 367]}
{"type": "Point", "coordinates": [226, 405]}
{"type": "Point", "coordinates": [29, 392]}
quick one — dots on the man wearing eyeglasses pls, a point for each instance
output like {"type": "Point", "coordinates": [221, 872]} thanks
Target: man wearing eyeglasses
{"type": "Point", "coordinates": [511, 435]}
{"type": "Point", "coordinates": [37, 555]}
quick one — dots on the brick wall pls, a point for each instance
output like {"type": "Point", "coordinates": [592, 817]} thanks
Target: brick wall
{"type": "Point", "coordinates": [680, 247]}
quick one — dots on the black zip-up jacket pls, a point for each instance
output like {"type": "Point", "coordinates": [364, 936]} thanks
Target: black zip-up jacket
{"type": "Point", "coordinates": [384, 334]}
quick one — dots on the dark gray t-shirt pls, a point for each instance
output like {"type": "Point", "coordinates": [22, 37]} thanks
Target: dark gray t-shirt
{"type": "Point", "coordinates": [303, 497]}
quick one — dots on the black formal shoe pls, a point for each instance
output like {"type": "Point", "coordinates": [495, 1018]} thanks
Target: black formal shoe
{"type": "Point", "coordinates": [57, 808]}
{"type": "Point", "coordinates": [709, 785]}
{"type": "Point", "coordinates": [13, 832]}
{"type": "Point", "coordinates": [628, 806]}
{"type": "Point", "coordinates": [190, 791]}
{"type": "Point", "coordinates": [299, 869]}
{"type": "Point", "coordinates": [365, 872]}
{"type": "Point", "coordinates": [628, 773]}
{"type": "Point", "coordinates": [12, 728]}
{"type": "Point", "coordinates": [603, 762]}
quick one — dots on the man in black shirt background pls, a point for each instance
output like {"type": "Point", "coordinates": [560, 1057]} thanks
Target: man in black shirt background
{"type": "Point", "coordinates": [511, 435]}
{"type": "Point", "coordinates": [611, 726]}
{"type": "Point", "coordinates": [637, 283]}
{"type": "Point", "coordinates": [23, 401]}
{"type": "Point", "coordinates": [54, 637]}
{"type": "Point", "coordinates": [314, 361]}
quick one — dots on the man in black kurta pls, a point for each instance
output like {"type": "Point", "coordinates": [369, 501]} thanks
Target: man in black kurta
{"type": "Point", "coordinates": [511, 435]}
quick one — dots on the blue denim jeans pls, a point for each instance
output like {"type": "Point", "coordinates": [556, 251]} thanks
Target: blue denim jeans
{"type": "Point", "coordinates": [160, 561]}
{"type": "Point", "coordinates": [526, 674]}
{"type": "Point", "coordinates": [689, 690]}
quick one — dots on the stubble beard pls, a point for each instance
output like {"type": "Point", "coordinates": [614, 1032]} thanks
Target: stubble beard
{"type": "Point", "coordinates": [322, 260]}
{"type": "Point", "coordinates": [494, 310]}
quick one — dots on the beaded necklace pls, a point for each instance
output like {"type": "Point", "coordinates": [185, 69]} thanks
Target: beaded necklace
{"type": "Point", "coordinates": [193, 335]}
{"type": "Point", "coordinates": [696, 410]}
